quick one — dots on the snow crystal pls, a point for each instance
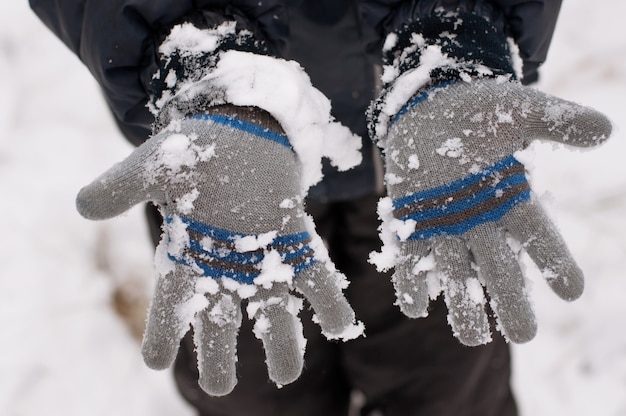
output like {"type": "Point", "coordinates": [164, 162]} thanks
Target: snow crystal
{"type": "Point", "coordinates": [162, 263]}
{"type": "Point", "coordinates": [206, 285]}
{"type": "Point", "coordinates": [477, 118]}
{"type": "Point", "coordinates": [350, 332]}
{"type": "Point", "coordinates": [474, 291]}
{"type": "Point", "coordinates": [504, 116]}
{"type": "Point", "coordinates": [225, 311]}
{"type": "Point", "coordinates": [176, 231]}
{"type": "Point", "coordinates": [176, 152]}
{"type": "Point", "coordinates": [244, 291]}
{"type": "Point", "coordinates": [187, 311]}
{"type": "Point", "coordinates": [390, 41]}
{"type": "Point", "coordinates": [560, 113]}
{"type": "Point", "coordinates": [273, 270]}
{"type": "Point", "coordinates": [393, 179]}
{"type": "Point", "coordinates": [390, 250]}
{"type": "Point", "coordinates": [262, 326]}
{"type": "Point", "coordinates": [451, 148]}
{"type": "Point", "coordinates": [287, 203]}
{"type": "Point", "coordinates": [408, 299]}
{"type": "Point", "coordinates": [433, 283]}
{"type": "Point", "coordinates": [185, 202]}
{"type": "Point", "coordinates": [249, 243]}
{"type": "Point", "coordinates": [414, 162]}
{"type": "Point", "coordinates": [516, 59]}
{"type": "Point", "coordinates": [424, 264]}
{"type": "Point", "coordinates": [189, 40]}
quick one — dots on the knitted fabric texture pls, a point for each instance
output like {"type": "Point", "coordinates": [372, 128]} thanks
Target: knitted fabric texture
{"type": "Point", "coordinates": [228, 185]}
{"type": "Point", "coordinates": [457, 193]}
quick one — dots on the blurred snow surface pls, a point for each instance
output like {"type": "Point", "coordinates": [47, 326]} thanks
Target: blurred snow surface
{"type": "Point", "coordinates": [63, 349]}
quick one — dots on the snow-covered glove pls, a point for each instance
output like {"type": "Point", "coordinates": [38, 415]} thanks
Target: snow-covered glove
{"type": "Point", "coordinates": [228, 185]}
{"type": "Point", "coordinates": [456, 192]}
{"type": "Point", "coordinates": [239, 139]}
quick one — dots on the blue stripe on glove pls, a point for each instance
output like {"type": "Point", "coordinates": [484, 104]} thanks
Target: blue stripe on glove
{"type": "Point", "coordinates": [220, 259]}
{"type": "Point", "coordinates": [247, 127]}
{"type": "Point", "coordinates": [455, 208]}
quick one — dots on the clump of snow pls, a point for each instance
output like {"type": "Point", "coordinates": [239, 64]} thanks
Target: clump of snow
{"type": "Point", "coordinates": [175, 153]}
{"type": "Point", "coordinates": [350, 332]}
{"type": "Point", "coordinates": [516, 59]}
{"type": "Point", "coordinates": [414, 162]}
{"type": "Point", "coordinates": [389, 253]}
{"type": "Point", "coordinates": [177, 236]}
{"type": "Point", "coordinates": [453, 148]}
{"type": "Point", "coordinates": [393, 179]}
{"type": "Point", "coordinates": [283, 89]}
{"type": "Point", "coordinates": [184, 204]}
{"type": "Point", "coordinates": [207, 285]}
{"type": "Point", "coordinates": [225, 311]}
{"type": "Point", "coordinates": [273, 270]}
{"type": "Point", "coordinates": [248, 243]}
{"type": "Point", "coordinates": [287, 204]}
{"type": "Point", "coordinates": [243, 290]}
{"type": "Point", "coordinates": [188, 39]}
{"type": "Point", "coordinates": [188, 310]}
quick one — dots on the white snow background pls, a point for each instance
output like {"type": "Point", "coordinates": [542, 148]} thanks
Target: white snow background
{"type": "Point", "coordinates": [64, 350]}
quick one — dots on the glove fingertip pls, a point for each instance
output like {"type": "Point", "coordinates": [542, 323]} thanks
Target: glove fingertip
{"type": "Point", "coordinates": [411, 295]}
{"type": "Point", "coordinates": [410, 307]}
{"type": "Point", "coordinates": [522, 335]}
{"type": "Point", "coordinates": [283, 373]}
{"type": "Point", "coordinates": [85, 206]}
{"type": "Point", "coordinates": [158, 357]}
{"type": "Point", "coordinates": [568, 284]}
{"type": "Point", "coordinates": [518, 330]}
{"type": "Point", "coordinates": [215, 386]}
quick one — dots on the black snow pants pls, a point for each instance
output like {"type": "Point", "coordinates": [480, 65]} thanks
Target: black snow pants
{"type": "Point", "coordinates": [403, 367]}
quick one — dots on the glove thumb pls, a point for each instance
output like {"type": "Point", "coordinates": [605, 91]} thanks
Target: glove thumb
{"type": "Point", "coordinates": [566, 122]}
{"type": "Point", "coordinates": [121, 187]}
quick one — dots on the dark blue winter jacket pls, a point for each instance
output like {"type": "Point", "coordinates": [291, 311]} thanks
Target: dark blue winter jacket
{"type": "Point", "coordinates": [336, 41]}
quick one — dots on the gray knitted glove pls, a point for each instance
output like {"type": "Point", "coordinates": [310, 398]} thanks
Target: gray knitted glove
{"type": "Point", "coordinates": [228, 185]}
{"type": "Point", "coordinates": [456, 191]}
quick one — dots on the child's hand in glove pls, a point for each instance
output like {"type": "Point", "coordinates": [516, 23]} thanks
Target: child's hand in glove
{"type": "Point", "coordinates": [228, 185]}
{"type": "Point", "coordinates": [456, 190]}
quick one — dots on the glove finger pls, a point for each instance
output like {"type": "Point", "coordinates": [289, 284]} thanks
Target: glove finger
{"type": "Point", "coordinates": [463, 292]}
{"type": "Point", "coordinates": [122, 186]}
{"type": "Point", "coordinates": [280, 330]}
{"type": "Point", "coordinates": [169, 316]}
{"type": "Point", "coordinates": [565, 122]}
{"type": "Point", "coordinates": [409, 279]}
{"type": "Point", "coordinates": [322, 289]}
{"type": "Point", "coordinates": [215, 337]}
{"type": "Point", "coordinates": [530, 225]}
{"type": "Point", "coordinates": [504, 281]}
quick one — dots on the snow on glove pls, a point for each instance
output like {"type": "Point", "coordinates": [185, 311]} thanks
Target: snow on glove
{"type": "Point", "coordinates": [230, 182]}
{"type": "Point", "coordinates": [456, 191]}
{"type": "Point", "coordinates": [235, 228]}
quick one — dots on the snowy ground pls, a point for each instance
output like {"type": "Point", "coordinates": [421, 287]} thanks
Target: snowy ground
{"type": "Point", "coordinates": [63, 349]}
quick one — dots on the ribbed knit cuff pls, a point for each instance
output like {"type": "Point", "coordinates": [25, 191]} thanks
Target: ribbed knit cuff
{"type": "Point", "coordinates": [439, 49]}
{"type": "Point", "coordinates": [187, 55]}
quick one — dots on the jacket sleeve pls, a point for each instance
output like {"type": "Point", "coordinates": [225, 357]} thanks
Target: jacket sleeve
{"type": "Point", "coordinates": [118, 41]}
{"type": "Point", "coordinates": [530, 23]}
